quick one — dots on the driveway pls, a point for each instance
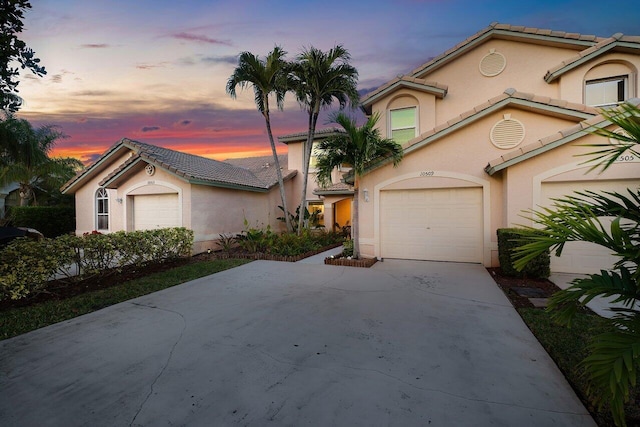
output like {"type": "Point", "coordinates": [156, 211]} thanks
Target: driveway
{"type": "Point", "coordinates": [403, 343]}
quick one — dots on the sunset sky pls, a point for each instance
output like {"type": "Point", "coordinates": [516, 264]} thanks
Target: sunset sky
{"type": "Point", "coordinates": [155, 70]}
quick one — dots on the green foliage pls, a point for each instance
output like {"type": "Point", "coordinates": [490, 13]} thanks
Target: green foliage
{"type": "Point", "coordinates": [27, 266]}
{"type": "Point", "coordinates": [52, 221]}
{"type": "Point", "coordinates": [614, 357]}
{"type": "Point", "coordinates": [508, 240]}
{"type": "Point", "coordinates": [226, 242]}
{"type": "Point", "coordinates": [347, 248]}
{"type": "Point", "coordinates": [14, 50]}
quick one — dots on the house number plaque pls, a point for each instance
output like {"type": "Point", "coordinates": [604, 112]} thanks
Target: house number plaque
{"type": "Point", "coordinates": [427, 173]}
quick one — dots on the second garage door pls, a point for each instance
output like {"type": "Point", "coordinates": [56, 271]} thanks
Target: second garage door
{"type": "Point", "coordinates": [432, 224]}
{"type": "Point", "coordinates": [582, 257]}
{"type": "Point", "coordinates": [155, 211]}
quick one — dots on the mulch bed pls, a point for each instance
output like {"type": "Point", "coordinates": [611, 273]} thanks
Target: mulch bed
{"type": "Point", "coordinates": [515, 287]}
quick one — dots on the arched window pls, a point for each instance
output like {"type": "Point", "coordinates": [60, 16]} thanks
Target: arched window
{"type": "Point", "coordinates": [102, 209]}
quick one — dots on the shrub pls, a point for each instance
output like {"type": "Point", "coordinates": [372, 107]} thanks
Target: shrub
{"type": "Point", "coordinates": [52, 221]}
{"type": "Point", "coordinates": [26, 266]}
{"type": "Point", "coordinates": [508, 240]}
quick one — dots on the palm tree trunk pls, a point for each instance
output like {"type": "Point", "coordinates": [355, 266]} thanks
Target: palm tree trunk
{"type": "Point", "coordinates": [313, 119]}
{"type": "Point", "coordinates": [355, 232]}
{"type": "Point", "coordinates": [283, 196]}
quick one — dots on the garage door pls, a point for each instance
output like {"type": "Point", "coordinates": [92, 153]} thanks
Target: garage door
{"type": "Point", "coordinates": [434, 224]}
{"type": "Point", "coordinates": [581, 257]}
{"type": "Point", "coordinates": [155, 211]}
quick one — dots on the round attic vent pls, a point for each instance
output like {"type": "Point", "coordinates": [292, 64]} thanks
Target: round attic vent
{"type": "Point", "coordinates": [507, 133]}
{"type": "Point", "coordinates": [150, 169]}
{"type": "Point", "coordinates": [492, 64]}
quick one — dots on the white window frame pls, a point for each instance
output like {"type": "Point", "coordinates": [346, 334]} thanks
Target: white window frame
{"type": "Point", "coordinates": [415, 121]}
{"type": "Point", "coordinates": [625, 95]}
{"type": "Point", "coordinates": [102, 195]}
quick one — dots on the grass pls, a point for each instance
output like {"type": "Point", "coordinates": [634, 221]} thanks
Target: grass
{"type": "Point", "coordinates": [568, 347]}
{"type": "Point", "coordinates": [20, 320]}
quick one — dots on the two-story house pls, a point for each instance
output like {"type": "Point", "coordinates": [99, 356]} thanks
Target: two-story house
{"type": "Point", "coordinates": [492, 128]}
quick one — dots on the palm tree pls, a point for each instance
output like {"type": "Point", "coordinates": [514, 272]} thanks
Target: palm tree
{"type": "Point", "coordinates": [25, 158]}
{"type": "Point", "coordinates": [268, 76]}
{"type": "Point", "coordinates": [358, 147]}
{"type": "Point", "coordinates": [318, 78]}
{"type": "Point", "coordinates": [614, 358]}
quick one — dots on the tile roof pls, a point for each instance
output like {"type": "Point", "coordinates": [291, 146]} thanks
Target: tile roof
{"type": "Point", "coordinates": [337, 188]}
{"type": "Point", "coordinates": [189, 167]}
{"type": "Point", "coordinates": [435, 88]}
{"type": "Point", "coordinates": [497, 30]}
{"type": "Point", "coordinates": [561, 137]}
{"type": "Point", "coordinates": [302, 136]}
{"type": "Point", "coordinates": [617, 41]}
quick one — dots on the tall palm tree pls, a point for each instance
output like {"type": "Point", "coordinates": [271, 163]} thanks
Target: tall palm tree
{"type": "Point", "coordinates": [267, 76]}
{"type": "Point", "coordinates": [318, 78]}
{"type": "Point", "coordinates": [614, 359]}
{"type": "Point", "coordinates": [25, 158]}
{"type": "Point", "coordinates": [358, 147]}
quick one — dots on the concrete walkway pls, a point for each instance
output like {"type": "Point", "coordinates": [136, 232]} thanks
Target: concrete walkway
{"type": "Point", "coordinates": [403, 344]}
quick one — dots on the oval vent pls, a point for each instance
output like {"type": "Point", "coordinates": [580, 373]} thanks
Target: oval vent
{"type": "Point", "coordinates": [150, 169]}
{"type": "Point", "coordinates": [493, 63]}
{"type": "Point", "coordinates": [507, 133]}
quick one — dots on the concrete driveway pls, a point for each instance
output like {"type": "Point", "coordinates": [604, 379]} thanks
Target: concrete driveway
{"type": "Point", "coordinates": [404, 343]}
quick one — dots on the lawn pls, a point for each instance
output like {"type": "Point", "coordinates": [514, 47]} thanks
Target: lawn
{"type": "Point", "coordinates": [19, 320]}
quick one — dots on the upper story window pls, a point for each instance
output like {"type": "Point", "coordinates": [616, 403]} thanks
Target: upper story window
{"type": "Point", "coordinates": [403, 124]}
{"type": "Point", "coordinates": [603, 92]}
{"type": "Point", "coordinates": [102, 209]}
{"type": "Point", "coordinates": [315, 152]}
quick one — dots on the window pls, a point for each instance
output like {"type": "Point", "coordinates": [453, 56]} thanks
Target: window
{"type": "Point", "coordinates": [316, 212]}
{"type": "Point", "coordinates": [603, 92]}
{"type": "Point", "coordinates": [315, 152]}
{"type": "Point", "coordinates": [102, 209]}
{"type": "Point", "coordinates": [403, 124]}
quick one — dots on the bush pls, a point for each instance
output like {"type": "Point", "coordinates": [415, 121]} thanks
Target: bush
{"type": "Point", "coordinates": [508, 240]}
{"type": "Point", "coordinates": [52, 221]}
{"type": "Point", "coordinates": [27, 266]}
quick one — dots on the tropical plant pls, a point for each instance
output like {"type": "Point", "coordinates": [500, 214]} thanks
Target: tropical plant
{"type": "Point", "coordinates": [268, 76]}
{"type": "Point", "coordinates": [13, 50]}
{"type": "Point", "coordinates": [25, 158]}
{"type": "Point", "coordinates": [614, 360]}
{"type": "Point", "coordinates": [317, 79]}
{"type": "Point", "coordinates": [357, 147]}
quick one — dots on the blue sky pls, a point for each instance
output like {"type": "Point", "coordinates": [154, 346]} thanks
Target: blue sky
{"type": "Point", "coordinates": [155, 71]}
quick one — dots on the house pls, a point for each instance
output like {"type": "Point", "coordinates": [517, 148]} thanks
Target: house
{"type": "Point", "coordinates": [138, 186]}
{"type": "Point", "coordinates": [492, 128]}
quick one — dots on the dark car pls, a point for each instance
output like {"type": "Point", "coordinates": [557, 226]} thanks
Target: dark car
{"type": "Point", "coordinates": [8, 234]}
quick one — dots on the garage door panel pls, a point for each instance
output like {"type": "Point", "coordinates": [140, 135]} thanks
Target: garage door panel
{"type": "Point", "coordinates": [435, 224]}
{"type": "Point", "coordinates": [584, 257]}
{"type": "Point", "coordinates": [155, 211]}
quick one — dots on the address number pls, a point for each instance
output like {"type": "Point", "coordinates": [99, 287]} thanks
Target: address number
{"type": "Point", "coordinates": [626, 158]}
{"type": "Point", "coordinates": [427, 173]}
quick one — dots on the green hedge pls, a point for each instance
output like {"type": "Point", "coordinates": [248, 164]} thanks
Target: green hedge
{"type": "Point", "coordinates": [52, 221]}
{"type": "Point", "coordinates": [508, 240]}
{"type": "Point", "coordinates": [27, 266]}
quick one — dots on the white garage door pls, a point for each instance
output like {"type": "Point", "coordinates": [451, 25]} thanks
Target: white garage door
{"type": "Point", "coordinates": [434, 224]}
{"type": "Point", "coordinates": [581, 257]}
{"type": "Point", "coordinates": [155, 211]}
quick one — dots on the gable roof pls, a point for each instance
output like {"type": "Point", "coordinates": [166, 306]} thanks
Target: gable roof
{"type": "Point", "coordinates": [188, 167]}
{"type": "Point", "coordinates": [508, 32]}
{"type": "Point", "coordinates": [509, 98]}
{"type": "Point", "coordinates": [617, 42]}
{"type": "Point", "coordinates": [302, 136]}
{"type": "Point", "coordinates": [435, 88]}
{"type": "Point", "coordinates": [336, 189]}
{"type": "Point", "coordinates": [550, 142]}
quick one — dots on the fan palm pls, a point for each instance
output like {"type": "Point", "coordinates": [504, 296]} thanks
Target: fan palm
{"type": "Point", "coordinates": [614, 358]}
{"type": "Point", "coordinates": [267, 76]}
{"type": "Point", "coordinates": [318, 79]}
{"type": "Point", "coordinates": [25, 158]}
{"type": "Point", "coordinates": [357, 147]}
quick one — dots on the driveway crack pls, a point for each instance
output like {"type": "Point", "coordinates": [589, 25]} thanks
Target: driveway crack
{"type": "Point", "coordinates": [166, 364]}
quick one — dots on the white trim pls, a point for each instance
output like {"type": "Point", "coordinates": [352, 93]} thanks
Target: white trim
{"type": "Point", "coordinates": [128, 225]}
{"type": "Point", "coordinates": [486, 205]}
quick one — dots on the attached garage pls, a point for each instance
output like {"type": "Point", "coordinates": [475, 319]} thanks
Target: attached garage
{"type": "Point", "coordinates": [444, 224]}
{"type": "Point", "coordinates": [583, 257]}
{"type": "Point", "coordinates": [154, 211]}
